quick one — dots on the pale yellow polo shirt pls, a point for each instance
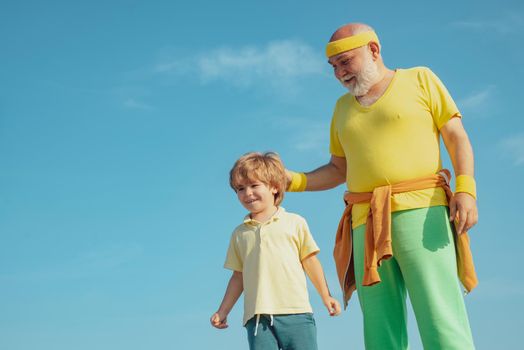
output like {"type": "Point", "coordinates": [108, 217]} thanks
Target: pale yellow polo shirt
{"type": "Point", "coordinates": [269, 256]}
{"type": "Point", "coordinates": [395, 139]}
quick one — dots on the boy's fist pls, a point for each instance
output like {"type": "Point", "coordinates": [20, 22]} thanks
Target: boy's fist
{"type": "Point", "coordinates": [332, 306]}
{"type": "Point", "coordinates": [219, 321]}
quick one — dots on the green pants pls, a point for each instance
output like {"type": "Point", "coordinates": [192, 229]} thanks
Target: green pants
{"type": "Point", "coordinates": [286, 332]}
{"type": "Point", "coordinates": [424, 265]}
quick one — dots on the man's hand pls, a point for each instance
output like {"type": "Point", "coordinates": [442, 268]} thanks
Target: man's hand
{"type": "Point", "coordinates": [219, 321]}
{"type": "Point", "coordinates": [332, 306]}
{"type": "Point", "coordinates": [463, 212]}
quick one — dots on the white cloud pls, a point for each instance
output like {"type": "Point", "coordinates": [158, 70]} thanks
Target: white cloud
{"type": "Point", "coordinates": [132, 96]}
{"type": "Point", "coordinates": [477, 102]}
{"type": "Point", "coordinates": [178, 66]}
{"type": "Point", "coordinates": [277, 64]}
{"type": "Point", "coordinates": [511, 23]}
{"type": "Point", "coordinates": [134, 104]}
{"type": "Point", "coordinates": [306, 135]}
{"type": "Point", "coordinates": [514, 147]}
{"type": "Point", "coordinates": [312, 138]}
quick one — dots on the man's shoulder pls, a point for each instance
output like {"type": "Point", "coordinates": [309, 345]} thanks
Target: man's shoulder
{"type": "Point", "coordinates": [344, 98]}
{"type": "Point", "coordinates": [343, 103]}
{"type": "Point", "coordinates": [419, 72]}
{"type": "Point", "coordinates": [422, 76]}
{"type": "Point", "coordinates": [417, 69]}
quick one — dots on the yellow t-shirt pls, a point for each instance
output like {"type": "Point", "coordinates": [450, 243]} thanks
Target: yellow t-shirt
{"type": "Point", "coordinates": [269, 256]}
{"type": "Point", "coordinates": [395, 139]}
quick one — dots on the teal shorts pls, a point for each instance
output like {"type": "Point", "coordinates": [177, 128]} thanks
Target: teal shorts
{"type": "Point", "coordinates": [286, 332]}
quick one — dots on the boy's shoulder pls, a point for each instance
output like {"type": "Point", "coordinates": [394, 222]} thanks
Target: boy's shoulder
{"type": "Point", "coordinates": [291, 219]}
{"type": "Point", "coordinates": [291, 216]}
{"type": "Point", "coordinates": [242, 227]}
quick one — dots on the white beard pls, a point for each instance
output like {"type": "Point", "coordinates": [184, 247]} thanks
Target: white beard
{"type": "Point", "coordinates": [364, 80]}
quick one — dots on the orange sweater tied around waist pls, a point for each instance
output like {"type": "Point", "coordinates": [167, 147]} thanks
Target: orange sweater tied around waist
{"type": "Point", "coordinates": [378, 246]}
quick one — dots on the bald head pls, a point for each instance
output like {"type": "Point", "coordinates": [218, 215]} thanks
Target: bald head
{"type": "Point", "coordinates": [350, 30]}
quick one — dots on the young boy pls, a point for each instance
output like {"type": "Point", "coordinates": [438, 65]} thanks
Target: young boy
{"type": "Point", "coordinates": [268, 254]}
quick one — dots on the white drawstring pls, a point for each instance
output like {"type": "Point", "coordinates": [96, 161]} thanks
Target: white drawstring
{"type": "Point", "coordinates": [258, 322]}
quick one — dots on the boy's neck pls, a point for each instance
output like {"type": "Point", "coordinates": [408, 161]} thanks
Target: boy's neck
{"type": "Point", "coordinates": [265, 215]}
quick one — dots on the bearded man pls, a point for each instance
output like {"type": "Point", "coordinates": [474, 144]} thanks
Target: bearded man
{"type": "Point", "coordinates": [395, 236]}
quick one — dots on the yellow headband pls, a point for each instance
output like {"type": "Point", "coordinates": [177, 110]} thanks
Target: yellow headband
{"type": "Point", "coordinates": [350, 43]}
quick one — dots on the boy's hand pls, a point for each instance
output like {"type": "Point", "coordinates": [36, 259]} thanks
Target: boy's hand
{"type": "Point", "coordinates": [219, 321]}
{"type": "Point", "coordinates": [332, 306]}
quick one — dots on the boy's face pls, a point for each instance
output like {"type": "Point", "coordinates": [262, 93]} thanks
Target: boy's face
{"type": "Point", "coordinates": [257, 197]}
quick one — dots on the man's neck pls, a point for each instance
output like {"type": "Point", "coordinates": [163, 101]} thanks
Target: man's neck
{"type": "Point", "coordinates": [378, 89]}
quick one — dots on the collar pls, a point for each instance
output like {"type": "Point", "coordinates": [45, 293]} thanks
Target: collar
{"type": "Point", "coordinates": [275, 217]}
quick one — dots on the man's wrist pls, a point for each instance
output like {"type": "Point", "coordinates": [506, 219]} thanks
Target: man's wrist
{"type": "Point", "coordinates": [466, 184]}
{"type": "Point", "coordinates": [298, 182]}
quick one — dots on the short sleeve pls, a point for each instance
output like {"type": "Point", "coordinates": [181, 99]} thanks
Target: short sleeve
{"type": "Point", "coordinates": [440, 102]}
{"type": "Point", "coordinates": [335, 148]}
{"type": "Point", "coordinates": [308, 245]}
{"type": "Point", "coordinates": [233, 259]}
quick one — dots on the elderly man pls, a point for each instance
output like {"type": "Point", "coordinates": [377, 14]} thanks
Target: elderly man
{"type": "Point", "coordinates": [395, 235]}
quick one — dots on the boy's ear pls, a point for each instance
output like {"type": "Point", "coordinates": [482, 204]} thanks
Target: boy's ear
{"type": "Point", "coordinates": [274, 190]}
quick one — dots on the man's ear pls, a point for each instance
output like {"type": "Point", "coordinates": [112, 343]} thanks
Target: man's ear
{"type": "Point", "coordinates": [375, 49]}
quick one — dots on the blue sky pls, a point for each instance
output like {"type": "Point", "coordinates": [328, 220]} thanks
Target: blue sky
{"type": "Point", "coordinates": [119, 122]}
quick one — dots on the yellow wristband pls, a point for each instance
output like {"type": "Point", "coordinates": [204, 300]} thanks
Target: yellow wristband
{"type": "Point", "coordinates": [298, 182]}
{"type": "Point", "coordinates": [466, 183]}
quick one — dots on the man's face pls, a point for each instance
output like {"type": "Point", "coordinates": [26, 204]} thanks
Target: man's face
{"type": "Point", "coordinates": [356, 70]}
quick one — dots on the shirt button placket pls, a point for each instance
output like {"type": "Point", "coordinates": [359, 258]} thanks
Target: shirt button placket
{"type": "Point", "coordinates": [261, 227]}
{"type": "Point", "coordinates": [262, 235]}
{"type": "Point", "coordinates": [259, 231]}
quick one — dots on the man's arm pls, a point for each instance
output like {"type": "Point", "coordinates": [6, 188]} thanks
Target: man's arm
{"type": "Point", "coordinates": [234, 289]}
{"type": "Point", "coordinates": [463, 206]}
{"type": "Point", "coordinates": [327, 176]}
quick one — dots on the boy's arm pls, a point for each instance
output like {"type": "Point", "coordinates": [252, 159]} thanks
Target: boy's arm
{"type": "Point", "coordinates": [234, 289]}
{"type": "Point", "coordinates": [316, 275]}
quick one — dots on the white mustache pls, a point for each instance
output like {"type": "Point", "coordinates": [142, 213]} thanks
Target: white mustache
{"type": "Point", "coordinates": [346, 78]}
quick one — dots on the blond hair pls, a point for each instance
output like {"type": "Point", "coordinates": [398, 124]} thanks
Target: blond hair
{"type": "Point", "coordinates": [264, 167]}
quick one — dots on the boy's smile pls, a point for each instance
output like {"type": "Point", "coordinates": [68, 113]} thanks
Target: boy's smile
{"type": "Point", "coordinates": [258, 198]}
